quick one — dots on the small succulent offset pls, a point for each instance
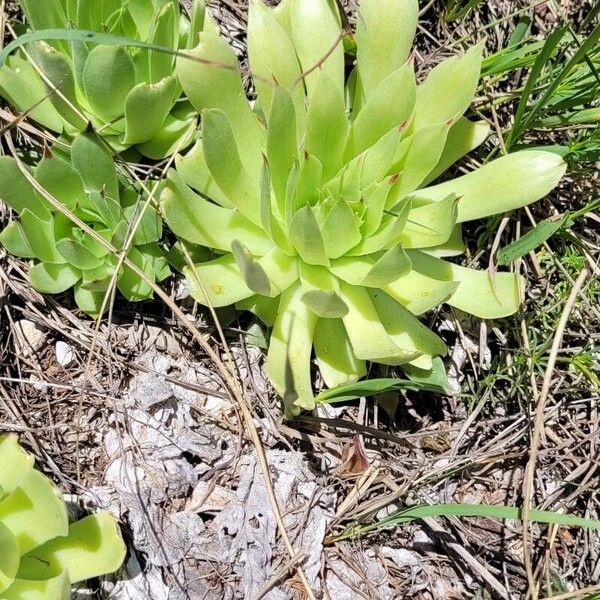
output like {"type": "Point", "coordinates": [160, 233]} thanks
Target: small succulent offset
{"type": "Point", "coordinates": [316, 201]}
{"type": "Point", "coordinates": [41, 555]}
{"type": "Point", "coordinates": [129, 94]}
{"type": "Point", "coordinates": [64, 256]}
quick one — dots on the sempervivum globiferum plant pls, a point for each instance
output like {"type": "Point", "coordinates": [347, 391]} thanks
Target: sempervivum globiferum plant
{"type": "Point", "coordinates": [41, 555]}
{"type": "Point", "coordinates": [316, 200]}
{"type": "Point", "coordinates": [64, 256]}
{"type": "Point", "coordinates": [128, 93]}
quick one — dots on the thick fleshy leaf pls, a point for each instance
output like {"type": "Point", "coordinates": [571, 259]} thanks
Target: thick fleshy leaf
{"type": "Point", "coordinates": [388, 106]}
{"type": "Point", "coordinates": [307, 184]}
{"type": "Point", "coordinates": [503, 184]}
{"type": "Point", "coordinates": [261, 306]}
{"type": "Point", "coordinates": [320, 292]}
{"type": "Point", "coordinates": [388, 267]}
{"type": "Point", "coordinates": [272, 58]}
{"type": "Point", "coordinates": [40, 237]}
{"type": "Point", "coordinates": [200, 20]}
{"type": "Point", "coordinates": [60, 180]}
{"type": "Point", "coordinates": [290, 349]}
{"type": "Point", "coordinates": [478, 292]}
{"type": "Point", "coordinates": [23, 88]}
{"type": "Point", "coordinates": [423, 150]}
{"type": "Point", "coordinates": [53, 279]}
{"type": "Point", "coordinates": [405, 329]}
{"type": "Point", "coordinates": [14, 241]}
{"type": "Point", "coordinates": [282, 144]}
{"type": "Point", "coordinates": [341, 218]}
{"type": "Point", "coordinates": [108, 77]}
{"type": "Point", "coordinates": [92, 547]}
{"type": "Point", "coordinates": [35, 512]}
{"type": "Point", "coordinates": [384, 36]}
{"type": "Point", "coordinates": [316, 35]}
{"type": "Point", "coordinates": [431, 224]}
{"type": "Point", "coordinates": [214, 82]}
{"type": "Point", "coordinates": [94, 164]}
{"type": "Point", "coordinates": [196, 220]}
{"type": "Point", "coordinates": [463, 137]}
{"type": "Point", "coordinates": [367, 335]}
{"type": "Point", "coordinates": [77, 254]}
{"type": "Point", "coordinates": [56, 588]}
{"type": "Point", "coordinates": [174, 135]}
{"type": "Point", "coordinates": [307, 239]}
{"type": "Point", "coordinates": [89, 301]}
{"type": "Point", "coordinates": [44, 15]}
{"type": "Point", "coordinates": [149, 229]}
{"type": "Point", "coordinates": [130, 284]}
{"type": "Point", "coordinates": [165, 32]}
{"type": "Point", "coordinates": [281, 268]}
{"type": "Point", "coordinates": [146, 108]}
{"type": "Point", "coordinates": [9, 557]}
{"type": "Point", "coordinates": [334, 354]}
{"type": "Point", "coordinates": [448, 90]}
{"type": "Point", "coordinates": [18, 464]}
{"type": "Point", "coordinates": [420, 293]}
{"type": "Point", "coordinates": [58, 71]}
{"type": "Point", "coordinates": [252, 272]}
{"type": "Point", "coordinates": [16, 191]}
{"type": "Point", "coordinates": [217, 282]}
{"type": "Point", "coordinates": [195, 172]}
{"type": "Point", "coordinates": [326, 124]}
{"type": "Point", "coordinates": [223, 159]}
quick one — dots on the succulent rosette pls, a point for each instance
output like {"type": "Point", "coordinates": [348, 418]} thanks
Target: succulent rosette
{"type": "Point", "coordinates": [41, 554]}
{"type": "Point", "coordinates": [318, 201]}
{"type": "Point", "coordinates": [128, 93]}
{"type": "Point", "coordinates": [85, 182]}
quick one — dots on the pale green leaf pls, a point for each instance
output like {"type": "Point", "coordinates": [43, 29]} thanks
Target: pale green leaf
{"type": "Point", "coordinates": [384, 36]}
{"type": "Point", "coordinates": [504, 184]}
{"type": "Point", "coordinates": [60, 180]}
{"type": "Point", "coordinates": [290, 349]}
{"type": "Point", "coordinates": [40, 237]}
{"type": "Point", "coordinates": [478, 292]}
{"type": "Point", "coordinates": [53, 279]}
{"type": "Point", "coordinates": [430, 225]}
{"type": "Point", "coordinates": [252, 272]}
{"type": "Point", "coordinates": [449, 89]}
{"type": "Point", "coordinates": [91, 160]}
{"type": "Point", "coordinates": [16, 191]}
{"type": "Point", "coordinates": [196, 220]}
{"type": "Point", "coordinates": [146, 108]}
{"type": "Point", "coordinates": [77, 254]}
{"type": "Point", "coordinates": [334, 354]}
{"type": "Point", "coordinates": [217, 282]}
{"type": "Point", "coordinates": [92, 547]}
{"type": "Point", "coordinates": [55, 588]}
{"type": "Point", "coordinates": [164, 32]}
{"type": "Point", "coordinates": [20, 464]}
{"type": "Point", "coordinates": [463, 137]}
{"type": "Point", "coordinates": [341, 218]}
{"type": "Point", "coordinates": [108, 77]}
{"type": "Point", "coordinates": [307, 239]}
{"type": "Point", "coordinates": [14, 241]}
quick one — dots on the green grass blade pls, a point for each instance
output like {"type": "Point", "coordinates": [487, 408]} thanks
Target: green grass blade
{"type": "Point", "coordinates": [79, 35]}
{"type": "Point", "coordinates": [413, 513]}
{"type": "Point", "coordinates": [371, 387]}
{"type": "Point", "coordinates": [543, 231]}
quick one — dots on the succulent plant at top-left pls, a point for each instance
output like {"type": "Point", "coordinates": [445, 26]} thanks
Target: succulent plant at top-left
{"type": "Point", "coordinates": [129, 94]}
{"type": "Point", "coordinates": [86, 183]}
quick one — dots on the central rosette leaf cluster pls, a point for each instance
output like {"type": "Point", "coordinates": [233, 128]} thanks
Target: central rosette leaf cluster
{"type": "Point", "coordinates": [315, 201]}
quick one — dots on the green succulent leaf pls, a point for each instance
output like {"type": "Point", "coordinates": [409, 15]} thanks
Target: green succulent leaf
{"type": "Point", "coordinates": [254, 275]}
{"type": "Point", "coordinates": [306, 236]}
{"type": "Point", "coordinates": [77, 255]}
{"type": "Point", "coordinates": [164, 33]}
{"type": "Point", "coordinates": [56, 588]}
{"type": "Point", "coordinates": [16, 191]}
{"type": "Point", "coordinates": [53, 279]}
{"type": "Point", "coordinates": [384, 36]}
{"type": "Point", "coordinates": [40, 236]}
{"type": "Point", "coordinates": [93, 546]}
{"type": "Point", "coordinates": [60, 180]}
{"type": "Point", "coordinates": [14, 241]}
{"type": "Point", "coordinates": [146, 108]}
{"type": "Point", "coordinates": [504, 184]}
{"type": "Point", "coordinates": [89, 301]}
{"type": "Point", "coordinates": [94, 164]}
{"type": "Point", "coordinates": [290, 349]}
{"type": "Point", "coordinates": [108, 77]}
{"type": "Point", "coordinates": [334, 354]}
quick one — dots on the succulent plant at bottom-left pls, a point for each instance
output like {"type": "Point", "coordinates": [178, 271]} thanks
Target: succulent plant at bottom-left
{"type": "Point", "coordinates": [41, 555]}
{"type": "Point", "coordinates": [85, 182]}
